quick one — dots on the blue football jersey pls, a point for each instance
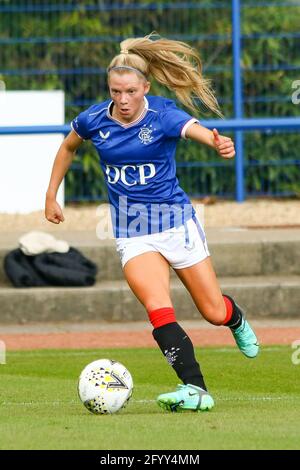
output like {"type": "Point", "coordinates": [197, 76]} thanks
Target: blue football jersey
{"type": "Point", "coordinates": [138, 162]}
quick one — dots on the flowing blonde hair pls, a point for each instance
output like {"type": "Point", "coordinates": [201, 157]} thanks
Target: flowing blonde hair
{"type": "Point", "coordinates": [172, 63]}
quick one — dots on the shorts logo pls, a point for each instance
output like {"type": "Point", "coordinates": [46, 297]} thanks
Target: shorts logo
{"type": "Point", "coordinates": [190, 247]}
{"type": "Point", "coordinates": [145, 135]}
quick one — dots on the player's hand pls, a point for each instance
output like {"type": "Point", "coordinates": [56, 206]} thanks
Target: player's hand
{"type": "Point", "coordinates": [53, 211]}
{"type": "Point", "coordinates": [223, 145]}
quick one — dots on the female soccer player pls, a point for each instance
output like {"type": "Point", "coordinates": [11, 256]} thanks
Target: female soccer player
{"type": "Point", "coordinates": [154, 222]}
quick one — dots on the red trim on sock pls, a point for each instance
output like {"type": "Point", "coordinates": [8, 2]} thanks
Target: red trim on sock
{"type": "Point", "coordinates": [162, 316]}
{"type": "Point", "coordinates": [229, 309]}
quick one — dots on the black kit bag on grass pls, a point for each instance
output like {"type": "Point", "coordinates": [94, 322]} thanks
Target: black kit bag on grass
{"type": "Point", "coordinates": [50, 269]}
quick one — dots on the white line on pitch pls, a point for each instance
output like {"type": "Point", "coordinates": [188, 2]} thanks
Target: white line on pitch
{"type": "Point", "coordinates": [76, 402]}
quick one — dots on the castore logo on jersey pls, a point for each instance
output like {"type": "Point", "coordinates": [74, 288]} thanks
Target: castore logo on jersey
{"type": "Point", "coordinates": [104, 136]}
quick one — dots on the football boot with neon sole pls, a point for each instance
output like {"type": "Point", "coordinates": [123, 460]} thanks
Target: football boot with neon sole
{"type": "Point", "coordinates": [246, 340]}
{"type": "Point", "coordinates": [186, 398]}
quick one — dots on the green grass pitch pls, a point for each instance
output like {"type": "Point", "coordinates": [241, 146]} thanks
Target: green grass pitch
{"type": "Point", "coordinates": [257, 402]}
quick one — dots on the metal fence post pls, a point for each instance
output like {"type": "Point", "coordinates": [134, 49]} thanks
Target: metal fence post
{"type": "Point", "coordinates": [238, 99]}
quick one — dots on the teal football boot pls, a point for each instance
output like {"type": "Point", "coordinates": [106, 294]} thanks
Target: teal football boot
{"type": "Point", "coordinates": [246, 340]}
{"type": "Point", "coordinates": [186, 398]}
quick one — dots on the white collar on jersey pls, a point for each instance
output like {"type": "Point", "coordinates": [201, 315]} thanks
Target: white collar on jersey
{"type": "Point", "coordinates": [132, 123]}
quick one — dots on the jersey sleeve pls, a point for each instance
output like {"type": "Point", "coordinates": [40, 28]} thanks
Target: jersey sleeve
{"type": "Point", "coordinates": [175, 121]}
{"type": "Point", "coordinates": [80, 125]}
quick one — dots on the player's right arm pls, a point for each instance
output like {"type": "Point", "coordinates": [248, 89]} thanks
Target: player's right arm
{"type": "Point", "coordinates": [62, 162]}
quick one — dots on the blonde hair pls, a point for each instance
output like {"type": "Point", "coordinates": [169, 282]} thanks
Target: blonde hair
{"type": "Point", "coordinates": [172, 63]}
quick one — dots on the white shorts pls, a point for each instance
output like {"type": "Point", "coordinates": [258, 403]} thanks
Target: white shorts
{"type": "Point", "coordinates": [182, 247]}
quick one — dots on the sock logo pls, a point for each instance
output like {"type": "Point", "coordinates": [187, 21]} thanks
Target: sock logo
{"type": "Point", "coordinates": [171, 355]}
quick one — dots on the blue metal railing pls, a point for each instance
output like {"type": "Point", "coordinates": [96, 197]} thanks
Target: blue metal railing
{"type": "Point", "coordinates": [238, 41]}
{"type": "Point", "coordinates": [223, 125]}
{"type": "Point", "coordinates": [44, 8]}
{"type": "Point", "coordinates": [186, 170]}
{"type": "Point", "coordinates": [238, 98]}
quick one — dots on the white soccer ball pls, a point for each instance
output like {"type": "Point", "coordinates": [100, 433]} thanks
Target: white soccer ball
{"type": "Point", "coordinates": [105, 386]}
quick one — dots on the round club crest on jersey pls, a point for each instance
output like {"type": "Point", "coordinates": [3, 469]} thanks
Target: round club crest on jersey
{"type": "Point", "coordinates": [145, 135]}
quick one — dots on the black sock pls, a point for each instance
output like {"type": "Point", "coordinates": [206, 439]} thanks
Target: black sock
{"type": "Point", "coordinates": [178, 349]}
{"type": "Point", "coordinates": [237, 315]}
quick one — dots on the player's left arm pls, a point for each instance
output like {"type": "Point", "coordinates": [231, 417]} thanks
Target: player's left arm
{"type": "Point", "coordinates": [223, 145]}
